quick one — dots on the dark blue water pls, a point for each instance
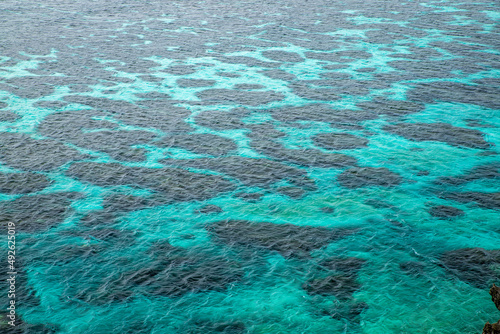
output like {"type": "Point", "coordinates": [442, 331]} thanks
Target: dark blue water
{"type": "Point", "coordinates": [248, 167]}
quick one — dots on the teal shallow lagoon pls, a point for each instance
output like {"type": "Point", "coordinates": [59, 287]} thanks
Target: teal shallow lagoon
{"type": "Point", "coordinates": [248, 167]}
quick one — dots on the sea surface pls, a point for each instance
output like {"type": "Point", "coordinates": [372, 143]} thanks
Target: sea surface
{"type": "Point", "coordinates": [250, 166]}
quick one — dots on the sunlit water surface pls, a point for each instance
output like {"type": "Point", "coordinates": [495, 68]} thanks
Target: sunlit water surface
{"type": "Point", "coordinates": [249, 167]}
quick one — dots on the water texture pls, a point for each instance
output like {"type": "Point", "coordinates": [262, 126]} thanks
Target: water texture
{"type": "Point", "coordinates": [251, 167]}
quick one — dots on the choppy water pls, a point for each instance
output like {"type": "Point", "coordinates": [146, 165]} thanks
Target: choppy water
{"type": "Point", "coordinates": [249, 167]}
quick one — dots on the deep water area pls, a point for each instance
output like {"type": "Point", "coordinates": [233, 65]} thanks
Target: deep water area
{"type": "Point", "coordinates": [260, 167]}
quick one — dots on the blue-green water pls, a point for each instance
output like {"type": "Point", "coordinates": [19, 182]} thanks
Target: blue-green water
{"type": "Point", "coordinates": [250, 167]}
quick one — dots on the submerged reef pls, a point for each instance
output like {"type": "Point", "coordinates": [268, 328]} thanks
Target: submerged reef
{"type": "Point", "coordinates": [287, 239]}
{"type": "Point", "coordinates": [495, 297]}
{"type": "Point", "coordinates": [250, 166]}
{"type": "Point", "coordinates": [473, 265]}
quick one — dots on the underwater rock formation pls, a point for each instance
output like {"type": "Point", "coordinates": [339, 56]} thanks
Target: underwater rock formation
{"type": "Point", "coordinates": [204, 327]}
{"type": "Point", "coordinates": [357, 177]}
{"type": "Point", "coordinates": [264, 139]}
{"type": "Point", "coordinates": [37, 213]}
{"type": "Point", "coordinates": [173, 183]}
{"type": "Point", "coordinates": [304, 157]}
{"type": "Point", "coordinates": [440, 132]}
{"type": "Point", "coordinates": [195, 83]}
{"type": "Point", "coordinates": [481, 172]}
{"type": "Point", "coordinates": [291, 192]}
{"type": "Point", "coordinates": [249, 197]}
{"type": "Point", "coordinates": [287, 239]}
{"type": "Point", "coordinates": [201, 143]}
{"type": "Point", "coordinates": [391, 107]}
{"type": "Point", "coordinates": [147, 114]}
{"type": "Point", "coordinates": [473, 265]}
{"type": "Point", "coordinates": [23, 152]}
{"type": "Point", "coordinates": [222, 120]}
{"type": "Point", "coordinates": [22, 183]}
{"type": "Point", "coordinates": [482, 95]}
{"type": "Point", "coordinates": [340, 286]}
{"type": "Point", "coordinates": [445, 212]}
{"type": "Point", "coordinates": [491, 328]}
{"type": "Point", "coordinates": [339, 141]}
{"type": "Point", "coordinates": [341, 281]}
{"type": "Point", "coordinates": [322, 112]}
{"type": "Point", "coordinates": [412, 268]}
{"type": "Point", "coordinates": [215, 96]}
{"type": "Point", "coordinates": [327, 209]}
{"type": "Point", "coordinates": [171, 271]}
{"type": "Point", "coordinates": [495, 296]}
{"type": "Point", "coordinates": [484, 200]}
{"type": "Point", "coordinates": [74, 126]}
{"type": "Point", "coordinates": [252, 172]}
{"type": "Point", "coordinates": [8, 116]}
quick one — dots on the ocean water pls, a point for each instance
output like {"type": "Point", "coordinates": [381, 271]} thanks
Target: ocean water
{"type": "Point", "coordinates": [250, 167]}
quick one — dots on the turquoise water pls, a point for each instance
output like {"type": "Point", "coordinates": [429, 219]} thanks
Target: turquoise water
{"type": "Point", "coordinates": [249, 167]}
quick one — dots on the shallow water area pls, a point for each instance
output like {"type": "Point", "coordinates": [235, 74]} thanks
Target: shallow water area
{"type": "Point", "coordinates": [248, 167]}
